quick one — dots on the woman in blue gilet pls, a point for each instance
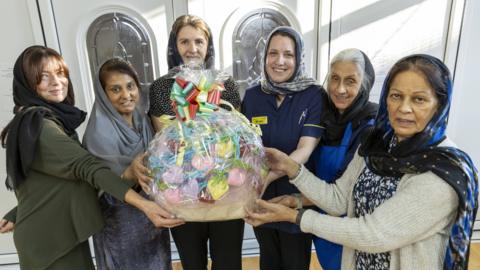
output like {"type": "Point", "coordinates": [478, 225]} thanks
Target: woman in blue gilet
{"type": "Point", "coordinates": [348, 115]}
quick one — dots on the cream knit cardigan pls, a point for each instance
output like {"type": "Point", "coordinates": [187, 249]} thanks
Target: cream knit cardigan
{"type": "Point", "coordinates": [413, 225]}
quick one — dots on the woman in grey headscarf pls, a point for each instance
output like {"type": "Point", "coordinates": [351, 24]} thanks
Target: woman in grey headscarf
{"type": "Point", "coordinates": [117, 132]}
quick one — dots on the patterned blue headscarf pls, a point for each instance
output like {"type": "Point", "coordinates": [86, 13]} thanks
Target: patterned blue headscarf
{"type": "Point", "coordinates": [434, 132]}
{"type": "Point", "coordinates": [421, 153]}
{"type": "Point", "coordinates": [299, 80]}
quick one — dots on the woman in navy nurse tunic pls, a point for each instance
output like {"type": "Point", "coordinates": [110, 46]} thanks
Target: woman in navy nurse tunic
{"type": "Point", "coordinates": [287, 105]}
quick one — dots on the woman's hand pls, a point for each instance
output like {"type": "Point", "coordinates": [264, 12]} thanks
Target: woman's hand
{"type": "Point", "coordinates": [140, 172]}
{"type": "Point", "coordinates": [276, 159]}
{"type": "Point", "coordinates": [6, 226]}
{"type": "Point", "coordinates": [286, 200]}
{"type": "Point", "coordinates": [292, 201]}
{"type": "Point", "coordinates": [273, 175]}
{"type": "Point", "coordinates": [157, 215]}
{"type": "Point", "coordinates": [281, 162]}
{"type": "Point", "coordinates": [270, 212]}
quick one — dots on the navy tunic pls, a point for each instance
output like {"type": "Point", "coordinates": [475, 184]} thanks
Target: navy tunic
{"type": "Point", "coordinates": [298, 115]}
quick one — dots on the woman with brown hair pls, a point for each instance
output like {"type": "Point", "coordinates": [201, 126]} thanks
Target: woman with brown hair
{"type": "Point", "coordinates": [191, 42]}
{"type": "Point", "coordinates": [56, 180]}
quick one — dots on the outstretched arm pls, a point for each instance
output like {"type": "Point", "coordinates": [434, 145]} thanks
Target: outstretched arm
{"type": "Point", "coordinates": [305, 147]}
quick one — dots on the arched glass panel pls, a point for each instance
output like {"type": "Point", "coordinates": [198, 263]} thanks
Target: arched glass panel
{"type": "Point", "coordinates": [249, 39]}
{"type": "Point", "coordinates": [118, 35]}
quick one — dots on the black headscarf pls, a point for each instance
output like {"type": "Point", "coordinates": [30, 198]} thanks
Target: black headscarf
{"type": "Point", "coordinates": [360, 109]}
{"type": "Point", "coordinates": [421, 153]}
{"type": "Point", "coordinates": [24, 129]}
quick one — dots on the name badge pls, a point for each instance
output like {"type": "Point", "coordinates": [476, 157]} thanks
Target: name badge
{"type": "Point", "coordinates": [260, 120]}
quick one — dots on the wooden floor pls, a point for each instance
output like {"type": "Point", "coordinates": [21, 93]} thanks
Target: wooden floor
{"type": "Point", "coordinates": [474, 263]}
{"type": "Point", "coordinates": [251, 263]}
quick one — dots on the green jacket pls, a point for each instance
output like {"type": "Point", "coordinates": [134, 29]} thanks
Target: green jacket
{"type": "Point", "coordinates": [57, 204]}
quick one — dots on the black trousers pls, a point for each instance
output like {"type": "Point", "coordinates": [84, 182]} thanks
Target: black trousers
{"type": "Point", "coordinates": [225, 238]}
{"type": "Point", "coordinates": [280, 250]}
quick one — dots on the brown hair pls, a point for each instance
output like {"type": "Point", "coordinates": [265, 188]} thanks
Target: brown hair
{"type": "Point", "coordinates": [35, 59]}
{"type": "Point", "coordinates": [117, 65]}
{"type": "Point", "coordinates": [193, 21]}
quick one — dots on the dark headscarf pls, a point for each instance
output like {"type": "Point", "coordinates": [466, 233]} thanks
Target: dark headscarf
{"type": "Point", "coordinates": [299, 80]}
{"type": "Point", "coordinates": [421, 153]}
{"type": "Point", "coordinates": [174, 59]}
{"type": "Point", "coordinates": [360, 109]}
{"type": "Point", "coordinates": [24, 129]}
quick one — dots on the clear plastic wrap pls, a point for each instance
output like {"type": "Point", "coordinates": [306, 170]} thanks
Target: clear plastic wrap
{"type": "Point", "coordinates": [210, 165]}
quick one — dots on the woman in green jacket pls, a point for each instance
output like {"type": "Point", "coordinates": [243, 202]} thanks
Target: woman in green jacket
{"type": "Point", "coordinates": [55, 180]}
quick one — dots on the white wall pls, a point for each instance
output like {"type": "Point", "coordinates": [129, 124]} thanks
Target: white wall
{"type": "Point", "coordinates": [17, 33]}
{"type": "Point", "coordinates": [464, 126]}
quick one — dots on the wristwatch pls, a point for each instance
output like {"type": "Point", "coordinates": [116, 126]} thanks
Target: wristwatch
{"type": "Point", "coordinates": [298, 219]}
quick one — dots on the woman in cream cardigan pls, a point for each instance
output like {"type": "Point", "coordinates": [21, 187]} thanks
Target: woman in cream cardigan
{"type": "Point", "coordinates": [409, 195]}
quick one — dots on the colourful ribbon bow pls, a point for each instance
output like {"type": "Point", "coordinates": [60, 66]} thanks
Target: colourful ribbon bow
{"type": "Point", "coordinates": [190, 100]}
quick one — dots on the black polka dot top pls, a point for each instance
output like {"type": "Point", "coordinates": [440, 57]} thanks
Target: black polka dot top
{"type": "Point", "coordinates": [160, 103]}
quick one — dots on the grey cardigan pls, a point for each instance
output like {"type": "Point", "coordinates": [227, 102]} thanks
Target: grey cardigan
{"type": "Point", "coordinates": [414, 225]}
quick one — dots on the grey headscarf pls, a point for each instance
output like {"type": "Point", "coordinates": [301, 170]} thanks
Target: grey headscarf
{"type": "Point", "coordinates": [109, 137]}
{"type": "Point", "coordinates": [299, 80]}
